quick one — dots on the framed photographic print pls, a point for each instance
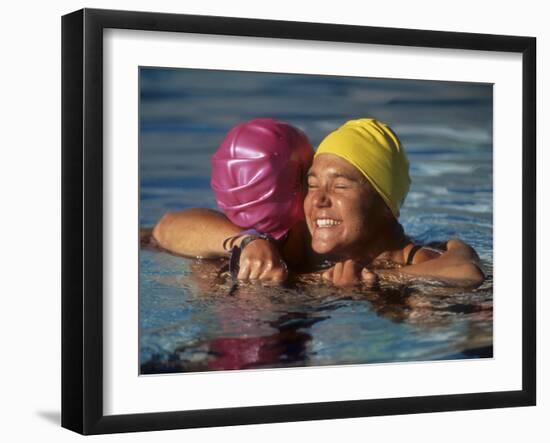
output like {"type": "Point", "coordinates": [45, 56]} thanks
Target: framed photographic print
{"type": "Point", "coordinates": [269, 221]}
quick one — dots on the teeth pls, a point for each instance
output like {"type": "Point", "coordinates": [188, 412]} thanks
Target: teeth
{"type": "Point", "coordinates": [327, 222]}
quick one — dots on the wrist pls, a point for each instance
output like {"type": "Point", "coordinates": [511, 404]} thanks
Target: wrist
{"type": "Point", "coordinates": [243, 238]}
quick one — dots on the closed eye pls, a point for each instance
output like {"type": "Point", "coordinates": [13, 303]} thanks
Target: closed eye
{"type": "Point", "coordinates": [311, 182]}
{"type": "Point", "coordinates": [342, 184]}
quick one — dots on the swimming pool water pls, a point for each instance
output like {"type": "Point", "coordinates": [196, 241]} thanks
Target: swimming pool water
{"type": "Point", "coordinates": [191, 321]}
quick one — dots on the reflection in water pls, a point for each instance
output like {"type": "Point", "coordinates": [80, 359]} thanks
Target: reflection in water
{"type": "Point", "coordinates": [308, 323]}
{"type": "Point", "coordinates": [287, 347]}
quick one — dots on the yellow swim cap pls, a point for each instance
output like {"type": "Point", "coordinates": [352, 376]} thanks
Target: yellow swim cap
{"type": "Point", "coordinates": [373, 148]}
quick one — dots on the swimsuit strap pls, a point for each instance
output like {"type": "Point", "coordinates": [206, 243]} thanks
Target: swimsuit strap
{"type": "Point", "coordinates": [411, 254]}
{"type": "Point", "coordinates": [434, 247]}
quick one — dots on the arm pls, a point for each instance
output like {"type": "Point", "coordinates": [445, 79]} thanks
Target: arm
{"type": "Point", "coordinates": [194, 232]}
{"type": "Point", "coordinates": [201, 233]}
{"type": "Point", "coordinates": [458, 266]}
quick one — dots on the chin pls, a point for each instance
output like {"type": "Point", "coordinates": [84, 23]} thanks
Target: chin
{"type": "Point", "coordinates": [339, 252]}
{"type": "Point", "coordinates": [322, 248]}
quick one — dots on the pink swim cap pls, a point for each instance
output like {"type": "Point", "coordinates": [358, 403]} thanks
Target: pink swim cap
{"type": "Point", "coordinates": [257, 175]}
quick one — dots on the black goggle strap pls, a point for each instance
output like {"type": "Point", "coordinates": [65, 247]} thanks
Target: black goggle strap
{"type": "Point", "coordinates": [235, 252]}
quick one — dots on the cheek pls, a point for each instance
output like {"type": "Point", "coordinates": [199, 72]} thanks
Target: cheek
{"type": "Point", "coordinates": [307, 204]}
{"type": "Point", "coordinates": [357, 212]}
{"type": "Point", "coordinates": [307, 215]}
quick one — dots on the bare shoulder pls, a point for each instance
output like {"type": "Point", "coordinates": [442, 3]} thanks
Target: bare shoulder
{"type": "Point", "coordinates": [459, 248]}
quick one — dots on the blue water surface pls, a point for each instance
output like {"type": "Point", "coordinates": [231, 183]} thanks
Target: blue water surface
{"type": "Point", "coordinates": [190, 320]}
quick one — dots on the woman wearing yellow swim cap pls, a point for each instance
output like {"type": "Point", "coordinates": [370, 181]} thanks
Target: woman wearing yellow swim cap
{"type": "Point", "coordinates": [356, 186]}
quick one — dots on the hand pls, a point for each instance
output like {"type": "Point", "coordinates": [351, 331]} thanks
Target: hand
{"type": "Point", "coordinates": [260, 260]}
{"type": "Point", "coordinates": [350, 273]}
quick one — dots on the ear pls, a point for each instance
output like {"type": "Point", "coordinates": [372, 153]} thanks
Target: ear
{"type": "Point", "coordinates": [387, 214]}
{"type": "Point", "coordinates": [392, 222]}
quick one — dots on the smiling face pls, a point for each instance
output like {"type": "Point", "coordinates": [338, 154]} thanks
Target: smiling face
{"type": "Point", "coordinates": [343, 211]}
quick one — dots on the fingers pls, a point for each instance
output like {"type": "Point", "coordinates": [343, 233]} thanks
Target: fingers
{"type": "Point", "coordinates": [263, 270]}
{"type": "Point", "coordinates": [244, 270]}
{"type": "Point", "coordinates": [267, 271]}
{"type": "Point", "coordinates": [256, 269]}
{"type": "Point", "coordinates": [338, 275]}
{"type": "Point", "coordinates": [274, 272]}
{"type": "Point", "coordinates": [348, 273]}
{"type": "Point", "coordinates": [369, 278]}
{"type": "Point", "coordinates": [343, 273]}
{"type": "Point", "coordinates": [249, 269]}
{"type": "Point", "coordinates": [328, 274]}
{"type": "Point", "coordinates": [260, 260]}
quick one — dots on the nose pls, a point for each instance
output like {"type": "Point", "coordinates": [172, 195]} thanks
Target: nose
{"type": "Point", "coordinates": [320, 198]}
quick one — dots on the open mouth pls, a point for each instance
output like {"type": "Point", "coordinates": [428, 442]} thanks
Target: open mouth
{"type": "Point", "coordinates": [327, 222]}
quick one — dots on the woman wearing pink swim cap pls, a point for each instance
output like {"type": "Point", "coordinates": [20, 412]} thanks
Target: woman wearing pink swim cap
{"type": "Point", "coordinates": [258, 175]}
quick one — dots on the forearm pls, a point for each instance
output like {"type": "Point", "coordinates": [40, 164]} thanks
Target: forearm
{"type": "Point", "coordinates": [194, 232]}
{"type": "Point", "coordinates": [464, 276]}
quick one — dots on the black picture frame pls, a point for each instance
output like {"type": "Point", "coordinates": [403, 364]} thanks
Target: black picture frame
{"type": "Point", "coordinates": [82, 219]}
